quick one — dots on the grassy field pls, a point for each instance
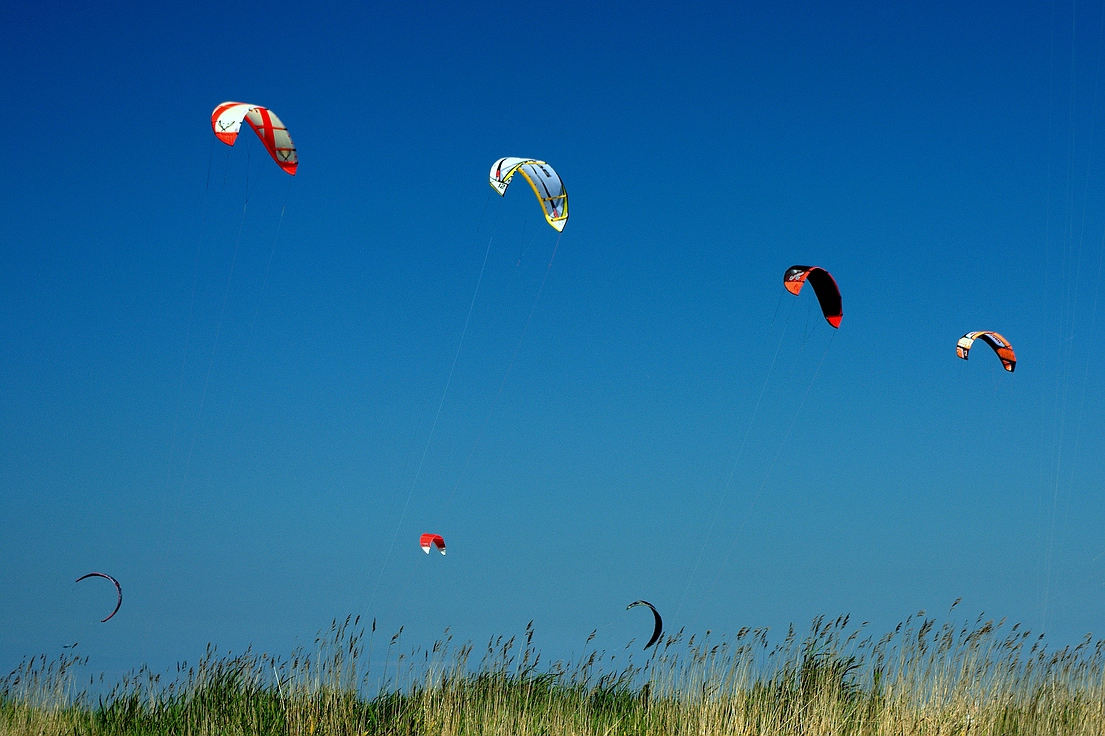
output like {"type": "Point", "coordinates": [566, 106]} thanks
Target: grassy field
{"type": "Point", "coordinates": [922, 678]}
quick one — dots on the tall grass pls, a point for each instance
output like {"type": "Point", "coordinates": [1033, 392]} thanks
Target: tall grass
{"type": "Point", "coordinates": [921, 678]}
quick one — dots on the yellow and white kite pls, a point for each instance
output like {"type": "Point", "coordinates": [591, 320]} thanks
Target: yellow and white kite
{"type": "Point", "coordinates": [544, 181]}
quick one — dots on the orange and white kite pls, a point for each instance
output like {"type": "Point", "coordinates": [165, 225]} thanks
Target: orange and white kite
{"type": "Point", "coordinates": [1000, 345]}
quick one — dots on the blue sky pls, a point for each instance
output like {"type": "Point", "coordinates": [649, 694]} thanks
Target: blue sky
{"type": "Point", "coordinates": [232, 425]}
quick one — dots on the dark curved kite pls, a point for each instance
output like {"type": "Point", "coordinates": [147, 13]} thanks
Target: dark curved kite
{"type": "Point", "coordinates": [824, 286]}
{"type": "Point", "coordinates": [658, 629]}
{"type": "Point", "coordinates": [1000, 345]}
{"type": "Point", "coordinates": [118, 589]}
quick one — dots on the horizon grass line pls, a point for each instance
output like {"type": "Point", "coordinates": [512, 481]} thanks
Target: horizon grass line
{"type": "Point", "coordinates": [967, 678]}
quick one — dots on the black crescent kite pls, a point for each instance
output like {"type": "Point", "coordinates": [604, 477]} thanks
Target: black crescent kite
{"type": "Point", "coordinates": [118, 589]}
{"type": "Point", "coordinates": [824, 286]}
{"type": "Point", "coordinates": [658, 629]}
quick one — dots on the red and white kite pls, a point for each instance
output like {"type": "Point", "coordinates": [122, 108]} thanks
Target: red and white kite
{"type": "Point", "coordinates": [434, 539]}
{"type": "Point", "coordinates": [227, 119]}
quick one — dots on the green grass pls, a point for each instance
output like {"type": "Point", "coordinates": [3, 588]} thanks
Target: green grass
{"type": "Point", "coordinates": [922, 678]}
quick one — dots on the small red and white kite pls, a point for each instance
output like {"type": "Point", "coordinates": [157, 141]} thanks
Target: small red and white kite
{"type": "Point", "coordinates": [432, 539]}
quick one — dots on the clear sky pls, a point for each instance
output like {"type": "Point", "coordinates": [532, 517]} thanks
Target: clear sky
{"type": "Point", "coordinates": [230, 418]}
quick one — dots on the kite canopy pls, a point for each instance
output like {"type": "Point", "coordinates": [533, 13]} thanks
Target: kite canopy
{"type": "Point", "coordinates": [658, 627]}
{"type": "Point", "coordinates": [1000, 345]}
{"type": "Point", "coordinates": [226, 121]}
{"type": "Point", "coordinates": [432, 539]}
{"type": "Point", "coordinates": [118, 589]}
{"type": "Point", "coordinates": [544, 181]}
{"type": "Point", "coordinates": [824, 286]}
